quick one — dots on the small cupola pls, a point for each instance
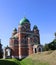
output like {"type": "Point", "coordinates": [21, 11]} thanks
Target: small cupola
{"type": "Point", "coordinates": [14, 31]}
{"type": "Point", "coordinates": [35, 27]}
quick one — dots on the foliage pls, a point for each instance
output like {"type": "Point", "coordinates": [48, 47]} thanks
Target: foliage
{"type": "Point", "coordinates": [52, 45]}
{"type": "Point", "coordinates": [45, 47]}
{"type": "Point", "coordinates": [9, 62]}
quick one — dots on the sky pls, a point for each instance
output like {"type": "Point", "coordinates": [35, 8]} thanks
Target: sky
{"type": "Point", "coordinates": [39, 12]}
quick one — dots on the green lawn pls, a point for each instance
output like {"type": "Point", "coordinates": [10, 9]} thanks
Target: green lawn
{"type": "Point", "coordinates": [27, 61]}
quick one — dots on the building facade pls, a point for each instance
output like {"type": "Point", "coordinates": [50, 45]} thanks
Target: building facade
{"type": "Point", "coordinates": [24, 41]}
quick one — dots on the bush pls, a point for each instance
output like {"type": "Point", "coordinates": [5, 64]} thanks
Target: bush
{"type": "Point", "coordinates": [46, 48]}
{"type": "Point", "coordinates": [52, 45]}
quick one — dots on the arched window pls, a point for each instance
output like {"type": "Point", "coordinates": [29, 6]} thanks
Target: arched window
{"type": "Point", "coordinates": [39, 49]}
{"type": "Point", "coordinates": [8, 52]}
{"type": "Point", "coordinates": [35, 50]}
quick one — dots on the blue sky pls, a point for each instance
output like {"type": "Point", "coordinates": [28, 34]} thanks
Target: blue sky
{"type": "Point", "coordinates": [39, 12]}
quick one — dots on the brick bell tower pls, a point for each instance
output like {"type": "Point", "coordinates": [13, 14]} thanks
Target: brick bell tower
{"type": "Point", "coordinates": [23, 30]}
{"type": "Point", "coordinates": [36, 35]}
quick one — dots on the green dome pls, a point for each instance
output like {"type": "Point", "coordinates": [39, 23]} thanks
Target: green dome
{"type": "Point", "coordinates": [24, 20]}
{"type": "Point", "coordinates": [14, 29]}
{"type": "Point", "coordinates": [35, 27]}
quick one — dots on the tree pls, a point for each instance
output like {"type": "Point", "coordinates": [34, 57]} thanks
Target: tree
{"type": "Point", "coordinates": [1, 51]}
{"type": "Point", "coordinates": [52, 45]}
{"type": "Point", "coordinates": [46, 48]}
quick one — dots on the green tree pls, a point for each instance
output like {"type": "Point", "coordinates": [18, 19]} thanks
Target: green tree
{"type": "Point", "coordinates": [46, 48]}
{"type": "Point", "coordinates": [52, 45]}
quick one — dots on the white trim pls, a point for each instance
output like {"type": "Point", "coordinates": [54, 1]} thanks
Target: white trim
{"type": "Point", "coordinates": [20, 57]}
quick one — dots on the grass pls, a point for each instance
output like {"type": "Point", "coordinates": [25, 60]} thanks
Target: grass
{"type": "Point", "coordinates": [44, 58]}
{"type": "Point", "coordinates": [9, 62]}
{"type": "Point", "coordinates": [48, 56]}
{"type": "Point", "coordinates": [29, 61]}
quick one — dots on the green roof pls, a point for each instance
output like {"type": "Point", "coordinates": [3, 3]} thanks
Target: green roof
{"type": "Point", "coordinates": [35, 27]}
{"type": "Point", "coordinates": [24, 20]}
{"type": "Point", "coordinates": [14, 29]}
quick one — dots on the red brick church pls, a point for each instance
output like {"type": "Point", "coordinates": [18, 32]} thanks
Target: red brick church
{"type": "Point", "coordinates": [23, 41]}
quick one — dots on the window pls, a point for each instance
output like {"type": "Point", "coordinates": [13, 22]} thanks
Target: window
{"type": "Point", "coordinates": [35, 50]}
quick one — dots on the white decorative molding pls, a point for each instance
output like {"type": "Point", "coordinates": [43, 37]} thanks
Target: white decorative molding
{"type": "Point", "coordinates": [20, 57]}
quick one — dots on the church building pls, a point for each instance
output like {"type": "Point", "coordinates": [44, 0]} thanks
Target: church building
{"type": "Point", "coordinates": [24, 41]}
